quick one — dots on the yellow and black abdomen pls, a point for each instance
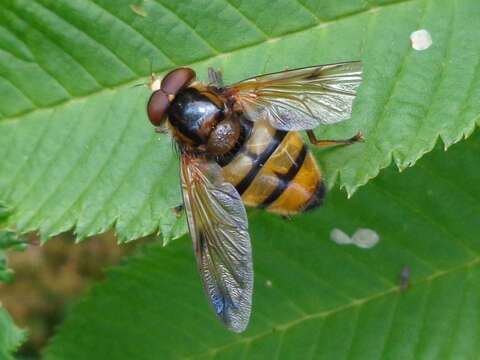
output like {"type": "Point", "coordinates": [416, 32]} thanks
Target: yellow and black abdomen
{"type": "Point", "coordinates": [276, 171]}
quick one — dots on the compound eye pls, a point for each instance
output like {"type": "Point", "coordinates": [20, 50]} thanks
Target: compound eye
{"type": "Point", "coordinates": [177, 79]}
{"type": "Point", "coordinates": [157, 107]}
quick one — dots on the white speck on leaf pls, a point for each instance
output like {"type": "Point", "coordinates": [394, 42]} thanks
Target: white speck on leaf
{"type": "Point", "coordinates": [420, 39]}
{"type": "Point", "coordinates": [363, 238]}
{"type": "Point", "coordinates": [268, 283]}
{"type": "Point", "coordinates": [340, 237]}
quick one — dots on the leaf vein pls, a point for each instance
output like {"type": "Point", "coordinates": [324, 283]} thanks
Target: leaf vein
{"type": "Point", "coordinates": [309, 10]}
{"type": "Point", "coordinates": [147, 39]}
{"type": "Point", "coordinates": [53, 43]}
{"type": "Point", "coordinates": [63, 180]}
{"type": "Point", "coordinates": [437, 81]}
{"type": "Point", "coordinates": [33, 150]}
{"type": "Point", "coordinates": [102, 167]}
{"type": "Point", "coordinates": [189, 26]}
{"type": "Point", "coordinates": [390, 329]}
{"type": "Point", "coordinates": [466, 266]}
{"type": "Point", "coordinates": [49, 164]}
{"type": "Point", "coordinates": [81, 31]}
{"type": "Point", "coordinates": [351, 338]}
{"type": "Point", "coordinates": [202, 59]}
{"type": "Point", "coordinates": [434, 223]}
{"type": "Point", "coordinates": [250, 22]}
{"type": "Point", "coordinates": [21, 91]}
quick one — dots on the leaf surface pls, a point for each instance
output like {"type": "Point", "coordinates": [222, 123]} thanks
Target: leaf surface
{"type": "Point", "coordinates": [9, 240]}
{"type": "Point", "coordinates": [76, 149]}
{"type": "Point", "coordinates": [11, 337]}
{"type": "Point", "coordinates": [314, 298]}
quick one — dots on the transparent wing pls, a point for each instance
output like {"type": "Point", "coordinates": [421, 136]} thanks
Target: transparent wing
{"type": "Point", "coordinates": [219, 229]}
{"type": "Point", "coordinates": [300, 99]}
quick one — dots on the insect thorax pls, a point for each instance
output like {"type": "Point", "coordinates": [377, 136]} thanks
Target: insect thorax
{"type": "Point", "coordinates": [195, 114]}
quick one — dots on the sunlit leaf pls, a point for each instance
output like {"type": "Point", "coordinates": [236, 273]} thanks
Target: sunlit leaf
{"type": "Point", "coordinates": [76, 149]}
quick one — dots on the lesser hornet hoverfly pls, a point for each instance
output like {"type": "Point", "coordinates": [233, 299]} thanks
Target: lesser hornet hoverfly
{"type": "Point", "coordinates": [239, 144]}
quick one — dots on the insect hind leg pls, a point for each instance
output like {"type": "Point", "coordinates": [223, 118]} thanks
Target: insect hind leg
{"type": "Point", "coordinates": [358, 137]}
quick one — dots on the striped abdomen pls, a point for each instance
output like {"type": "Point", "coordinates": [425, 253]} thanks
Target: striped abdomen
{"type": "Point", "coordinates": [275, 170]}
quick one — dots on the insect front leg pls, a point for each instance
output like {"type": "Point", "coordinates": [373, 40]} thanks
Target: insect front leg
{"type": "Point", "coordinates": [215, 77]}
{"type": "Point", "coordinates": [327, 143]}
{"type": "Point", "coordinates": [177, 210]}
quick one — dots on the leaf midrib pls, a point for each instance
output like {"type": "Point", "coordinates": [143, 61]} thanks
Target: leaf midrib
{"type": "Point", "coordinates": [283, 327]}
{"type": "Point", "coordinates": [124, 84]}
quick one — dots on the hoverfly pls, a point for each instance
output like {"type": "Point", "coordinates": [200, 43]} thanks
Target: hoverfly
{"type": "Point", "coordinates": [239, 144]}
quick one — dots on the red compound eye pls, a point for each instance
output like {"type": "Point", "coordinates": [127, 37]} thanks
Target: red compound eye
{"type": "Point", "coordinates": [157, 107]}
{"type": "Point", "coordinates": [176, 80]}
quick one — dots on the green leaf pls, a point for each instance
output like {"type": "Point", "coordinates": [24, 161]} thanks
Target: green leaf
{"type": "Point", "coordinates": [314, 298]}
{"type": "Point", "coordinates": [9, 240]}
{"type": "Point", "coordinates": [77, 151]}
{"type": "Point", "coordinates": [11, 337]}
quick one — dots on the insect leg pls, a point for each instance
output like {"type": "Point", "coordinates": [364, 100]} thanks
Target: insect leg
{"type": "Point", "coordinates": [177, 210]}
{"type": "Point", "coordinates": [327, 143]}
{"type": "Point", "coordinates": [215, 77]}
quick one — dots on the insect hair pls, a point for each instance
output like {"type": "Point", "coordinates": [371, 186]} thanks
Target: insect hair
{"type": "Point", "coordinates": [175, 147]}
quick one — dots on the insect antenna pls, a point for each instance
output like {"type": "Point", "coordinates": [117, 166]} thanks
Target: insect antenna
{"type": "Point", "coordinates": [140, 84]}
{"type": "Point", "coordinates": [154, 82]}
